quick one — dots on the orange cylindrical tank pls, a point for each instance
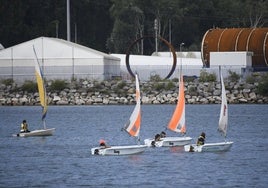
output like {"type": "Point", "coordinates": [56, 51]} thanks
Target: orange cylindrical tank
{"type": "Point", "coordinates": [237, 39]}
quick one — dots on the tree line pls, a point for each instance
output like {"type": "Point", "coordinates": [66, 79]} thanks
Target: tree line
{"type": "Point", "coordinates": [112, 25]}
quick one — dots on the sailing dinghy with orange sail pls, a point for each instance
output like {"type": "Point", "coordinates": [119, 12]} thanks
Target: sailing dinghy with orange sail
{"type": "Point", "coordinates": [176, 124]}
{"type": "Point", "coordinates": [43, 102]}
{"type": "Point", "coordinates": [132, 127]}
{"type": "Point", "coordinates": [222, 128]}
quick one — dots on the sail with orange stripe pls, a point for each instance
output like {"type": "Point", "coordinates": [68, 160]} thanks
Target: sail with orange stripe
{"type": "Point", "coordinates": [134, 122]}
{"type": "Point", "coordinates": [41, 86]}
{"type": "Point", "coordinates": [223, 121]}
{"type": "Point", "coordinates": [177, 122]}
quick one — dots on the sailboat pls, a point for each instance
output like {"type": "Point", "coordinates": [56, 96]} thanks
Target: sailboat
{"type": "Point", "coordinates": [43, 102]}
{"type": "Point", "coordinates": [132, 127]}
{"type": "Point", "coordinates": [176, 124]}
{"type": "Point", "coordinates": [222, 128]}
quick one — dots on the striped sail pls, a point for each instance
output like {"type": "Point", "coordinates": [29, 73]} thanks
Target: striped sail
{"type": "Point", "coordinates": [41, 86]}
{"type": "Point", "coordinates": [223, 121]}
{"type": "Point", "coordinates": [134, 122]}
{"type": "Point", "coordinates": [177, 122]}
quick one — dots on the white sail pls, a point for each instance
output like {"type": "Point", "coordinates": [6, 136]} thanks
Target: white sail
{"type": "Point", "coordinates": [223, 121]}
{"type": "Point", "coordinates": [134, 122]}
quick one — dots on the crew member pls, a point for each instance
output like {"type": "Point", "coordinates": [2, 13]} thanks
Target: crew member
{"type": "Point", "coordinates": [201, 139]}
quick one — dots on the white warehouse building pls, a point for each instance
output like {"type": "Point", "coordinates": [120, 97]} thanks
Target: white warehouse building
{"type": "Point", "coordinates": [59, 59]}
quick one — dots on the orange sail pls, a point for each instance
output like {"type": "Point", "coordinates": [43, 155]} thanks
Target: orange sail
{"type": "Point", "coordinates": [177, 122]}
{"type": "Point", "coordinates": [134, 122]}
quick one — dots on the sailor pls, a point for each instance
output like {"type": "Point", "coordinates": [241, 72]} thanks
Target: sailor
{"type": "Point", "coordinates": [157, 137]}
{"type": "Point", "coordinates": [153, 143]}
{"type": "Point", "coordinates": [201, 139]}
{"type": "Point", "coordinates": [103, 144]}
{"type": "Point", "coordinates": [191, 148]}
{"type": "Point", "coordinates": [24, 127]}
{"type": "Point", "coordinates": [162, 134]}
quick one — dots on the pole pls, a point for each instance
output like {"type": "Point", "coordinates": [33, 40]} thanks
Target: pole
{"type": "Point", "coordinates": [181, 44]}
{"type": "Point", "coordinates": [156, 35]}
{"type": "Point", "coordinates": [68, 21]}
{"type": "Point", "coordinates": [169, 22]}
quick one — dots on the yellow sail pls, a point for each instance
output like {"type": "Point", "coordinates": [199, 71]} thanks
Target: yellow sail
{"type": "Point", "coordinates": [41, 86]}
{"type": "Point", "coordinates": [177, 122]}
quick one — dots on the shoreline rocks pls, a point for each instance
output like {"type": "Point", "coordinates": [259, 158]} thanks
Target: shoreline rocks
{"type": "Point", "coordinates": [123, 93]}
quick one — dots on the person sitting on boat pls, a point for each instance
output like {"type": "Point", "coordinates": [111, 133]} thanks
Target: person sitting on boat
{"type": "Point", "coordinates": [162, 134]}
{"type": "Point", "coordinates": [191, 148]}
{"type": "Point", "coordinates": [201, 139]}
{"type": "Point", "coordinates": [103, 144]}
{"type": "Point", "coordinates": [24, 127]}
{"type": "Point", "coordinates": [157, 137]}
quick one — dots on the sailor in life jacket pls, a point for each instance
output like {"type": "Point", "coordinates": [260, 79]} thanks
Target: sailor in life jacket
{"type": "Point", "coordinates": [24, 127]}
{"type": "Point", "coordinates": [103, 144]}
{"type": "Point", "coordinates": [201, 139]}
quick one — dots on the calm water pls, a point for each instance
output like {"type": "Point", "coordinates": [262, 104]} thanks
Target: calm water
{"type": "Point", "coordinates": [64, 160]}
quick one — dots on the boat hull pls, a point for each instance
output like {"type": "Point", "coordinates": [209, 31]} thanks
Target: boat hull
{"type": "Point", "coordinates": [41, 132]}
{"type": "Point", "coordinates": [168, 141]}
{"type": "Point", "coordinates": [210, 147]}
{"type": "Point", "coordinates": [119, 150]}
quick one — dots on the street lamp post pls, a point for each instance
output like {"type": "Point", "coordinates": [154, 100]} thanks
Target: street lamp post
{"type": "Point", "coordinates": [181, 44]}
{"type": "Point", "coordinates": [156, 35]}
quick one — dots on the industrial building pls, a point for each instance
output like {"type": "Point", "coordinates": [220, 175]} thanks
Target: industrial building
{"type": "Point", "coordinates": [251, 41]}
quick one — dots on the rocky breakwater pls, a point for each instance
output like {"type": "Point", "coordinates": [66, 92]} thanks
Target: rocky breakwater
{"type": "Point", "coordinates": [123, 92]}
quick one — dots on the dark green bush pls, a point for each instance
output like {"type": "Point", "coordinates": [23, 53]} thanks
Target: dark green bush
{"type": "Point", "coordinates": [263, 85]}
{"type": "Point", "coordinates": [170, 85]}
{"type": "Point", "coordinates": [155, 78]}
{"type": "Point", "coordinates": [58, 85]}
{"type": "Point", "coordinates": [121, 84]}
{"type": "Point", "coordinates": [8, 82]}
{"type": "Point", "coordinates": [233, 76]}
{"type": "Point", "coordinates": [251, 79]}
{"type": "Point", "coordinates": [29, 86]}
{"type": "Point", "coordinates": [175, 80]}
{"type": "Point", "coordinates": [159, 86]}
{"type": "Point", "coordinates": [189, 78]}
{"type": "Point", "coordinates": [207, 77]}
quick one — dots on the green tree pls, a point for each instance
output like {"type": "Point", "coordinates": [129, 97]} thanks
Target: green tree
{"type": "Point", "coordinates": [128, 25]}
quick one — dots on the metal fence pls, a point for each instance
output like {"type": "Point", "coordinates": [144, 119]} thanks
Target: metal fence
{"type": "Point", "coordinates": [97, 72]}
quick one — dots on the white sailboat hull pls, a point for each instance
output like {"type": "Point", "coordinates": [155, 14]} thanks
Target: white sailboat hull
{"type": "Point", "coordinates": [119, 150]}
{"type": "Point", "coordinates": [40, 132]}
{"type": "Point", "coordinates": [210, 147]}
{"type": "Point", "coordinates": [169, 141]}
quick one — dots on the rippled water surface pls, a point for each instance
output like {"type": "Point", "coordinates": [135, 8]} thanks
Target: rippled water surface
{"type": "Point", "coordinates": [64, 160]}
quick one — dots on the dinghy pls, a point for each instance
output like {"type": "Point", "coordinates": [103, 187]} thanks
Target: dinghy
{"type": "Point", "coordinates": [222, 128]}
{"type": "Point", "coordinates": [43, 102]}
{"type": "Point", "coordinates": [132, 127]}
{"type": "Point", "coordinates": [176, 124]}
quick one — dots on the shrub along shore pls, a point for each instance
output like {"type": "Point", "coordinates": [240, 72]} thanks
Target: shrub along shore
{"type": "Point", "coordinates": [122, 92]}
